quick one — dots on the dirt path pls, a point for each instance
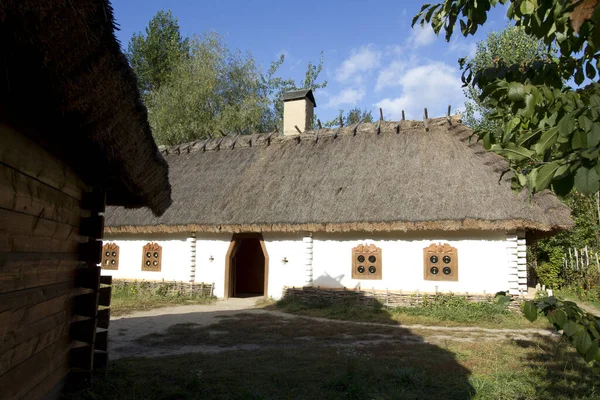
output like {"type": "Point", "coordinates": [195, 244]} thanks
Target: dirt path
{"type": "Point", "coordinates": [236, 324]}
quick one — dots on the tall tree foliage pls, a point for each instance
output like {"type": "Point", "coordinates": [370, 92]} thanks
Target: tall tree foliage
{"type": "Point", "coordinates": [196, 88]}
{"type": "Point", "coordinates": [157, 52]}
{"type": "Point", "coordinates": [511, 45]}
{"type": "Point", "coordinates": [551, 134]}
{"type": "Point", "coordinates": [214, 91]}
{"type": "Point", "coordinates": [353, 116]}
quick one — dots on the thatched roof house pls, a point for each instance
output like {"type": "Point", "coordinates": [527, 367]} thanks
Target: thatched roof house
{"type": "Point", "coordinates": [389, 205]}
{"type": "Point", "coordinates": [74, 136]}
{"type": "Point", "coordinates": [340, 180]}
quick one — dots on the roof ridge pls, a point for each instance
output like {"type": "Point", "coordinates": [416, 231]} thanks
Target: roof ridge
{"type": "Point", "coordinates": [250, 140]}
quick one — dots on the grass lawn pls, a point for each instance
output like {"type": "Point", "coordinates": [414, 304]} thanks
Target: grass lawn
{"type": "Point", "coordinates": [135, 297]}
{"type": "Point", "coordinates": [267, 356]}
{"type": "Point", "coordinates": [446, 311]}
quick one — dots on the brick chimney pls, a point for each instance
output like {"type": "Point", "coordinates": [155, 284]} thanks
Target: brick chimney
{"type": "Point", "coordinates": [298, 110]}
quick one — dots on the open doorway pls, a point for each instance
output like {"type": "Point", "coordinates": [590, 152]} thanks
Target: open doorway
{"type": "Point", "coordinates": [246, 273]}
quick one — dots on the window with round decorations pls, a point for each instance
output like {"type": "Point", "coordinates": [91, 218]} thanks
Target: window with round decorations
{"type": "Point", "coordinates": [440, 262]}
{"type": "Point", "coordinates": [366, 262]}
{"type": "Point", "coordinates": [152, 257]}
{"type": "Point", "coordinates": [110, 256]}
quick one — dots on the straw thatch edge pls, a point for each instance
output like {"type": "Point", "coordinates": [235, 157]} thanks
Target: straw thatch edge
{"type": "Point", "coordinates": [401, 226]}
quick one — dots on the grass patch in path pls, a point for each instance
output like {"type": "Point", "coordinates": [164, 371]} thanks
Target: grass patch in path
{"type": "Point", "coordinates": [444, 311]}
{"type": "Point", "coordinates": [130, 297]}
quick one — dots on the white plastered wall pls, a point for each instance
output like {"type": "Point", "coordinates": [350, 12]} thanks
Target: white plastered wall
{"type": "Point", "coordinates": [482, 261]}
{"type": "Point", "coordinates": [175, 257]}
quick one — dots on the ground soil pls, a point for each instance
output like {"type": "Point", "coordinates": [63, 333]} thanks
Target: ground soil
{"type": "Point", "coordinates": [237, 324]}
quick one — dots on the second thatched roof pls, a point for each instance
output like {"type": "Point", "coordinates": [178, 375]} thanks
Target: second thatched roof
{"type": "Point", "coordinates": [390, 177]}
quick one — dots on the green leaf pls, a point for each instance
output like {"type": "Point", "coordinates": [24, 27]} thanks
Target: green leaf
{"type": "Point", "coordinates": [560, 318]}
{"type": "Point", "coordinates": [512, 151]}
{"type": "Point", "coordinates": [544, 175]}
{"type": "Point", "coordinates": [546, 141]}
{"type": "Point", "coordinates": [582, 342]}
{"type": "Point", "coordinates": [590, 71]}
{"type": "Point", "coordinates": [530, 311]}
{"type": "Point", "coordinates": [584, 123]}
{"type": "Point", "coordinates": [566, 125]}
{"type": "Point", "coordinates": [579, 140]}
{"type": "Point", "coordinates": [516, 92]}
{"type": "Point", "coordinates": [527, 7]}
{"type": "Point", "coordinates": [571, 328]}
{"type": "Point", "coordinates": [593, 136]}
{"type": "Point", "coordinates": [592, 352]}
{"type": "Point", "coordinates": [586, 180]}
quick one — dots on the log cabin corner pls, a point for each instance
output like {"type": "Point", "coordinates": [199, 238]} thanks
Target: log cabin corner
{"type": "Point", "coordinates": [74, 137]}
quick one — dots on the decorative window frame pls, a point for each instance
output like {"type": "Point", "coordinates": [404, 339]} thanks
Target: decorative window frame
{"type": "Point", "coordinates": [363, 262]}
{"type": "Point", "coordinates": [438, 253]}
{"type": "Point", "coordinates": [110, 256]}
{"type": "Point", "coordinates": [152, 263]}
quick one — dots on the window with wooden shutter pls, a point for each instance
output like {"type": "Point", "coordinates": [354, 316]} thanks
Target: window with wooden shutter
{"type": "Point", "coordinates": [366, 262]}
{"type": "Point", "coordinates": [440, 262]}
{"type": "Point", "coordinates": [110, 256]}
{"type": "Point", "coordinates": [152, 257]}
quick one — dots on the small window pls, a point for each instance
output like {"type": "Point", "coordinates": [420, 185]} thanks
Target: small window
{"type": "Point", "coordinates": [440, 262]}
{"type": "Point", "coordinates": [366, 262]}
{"type": "Point", "coordinates": [152, 257]}
{"type": "Point", "coordinates": [110, 256]}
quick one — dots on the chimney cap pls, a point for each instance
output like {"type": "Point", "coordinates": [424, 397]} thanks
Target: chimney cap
{"type": "Point", "coordinates": [300, 94]}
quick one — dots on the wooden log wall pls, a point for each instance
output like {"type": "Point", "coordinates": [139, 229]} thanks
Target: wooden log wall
{"type": "Point", "coordinates": [390, 299]}
{"type": "Point", "coordinates": [50, 226]}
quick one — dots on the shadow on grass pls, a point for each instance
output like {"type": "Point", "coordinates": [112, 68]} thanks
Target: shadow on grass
{"type": "Point", "coordinates": [259, 355]}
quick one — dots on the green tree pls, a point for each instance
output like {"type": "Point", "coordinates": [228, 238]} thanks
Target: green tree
{"type": "Point", "coordinates": [511, 45]}
{"type": "Point", "coordinates": [353, 116]}
{"type": "Point", "coordinates": [212, 92]}
{"type": "Point", "coordinates": [154, 55]}
{"type": "Point", "coordinates": [216, 91]}
{"type": "Point", "coordinates": [551, 132]}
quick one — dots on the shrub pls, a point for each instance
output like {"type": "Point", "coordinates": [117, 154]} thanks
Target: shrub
{"type": "Point", "coordinates": [549, 272]}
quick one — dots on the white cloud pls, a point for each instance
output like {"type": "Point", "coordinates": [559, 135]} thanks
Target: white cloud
{"type": "Point", "coordinates": [421, 36]}
{"type": "Point", "coordinates": [463, 47]}
{"type": "Point", "coordinates": [390, 75]}
{"type": "Point", "coordinates": [364, 59]}
{"type": "Point", "coordinates": [434, 86]}
{"type": "Point", "coordinates": [347, 96]}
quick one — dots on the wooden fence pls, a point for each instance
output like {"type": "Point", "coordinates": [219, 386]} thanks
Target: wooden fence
{"type": "Point", "coordinates": [169, 288]}
{"type": "Point", "coordinates": [390, 299]}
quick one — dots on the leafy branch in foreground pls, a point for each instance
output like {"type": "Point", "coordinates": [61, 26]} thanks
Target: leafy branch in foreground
{"type": "Point", "coordinates": [582, 329]}
{"type": "Point", "coordinates": [551, 135]}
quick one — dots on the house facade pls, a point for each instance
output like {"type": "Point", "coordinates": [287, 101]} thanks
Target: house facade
{"type": "Point", "coordinates": [412, 206]}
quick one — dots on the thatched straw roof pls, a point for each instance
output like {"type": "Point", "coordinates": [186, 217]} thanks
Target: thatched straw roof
{"type": "Point", "coordinates": [411, 180]}
{"type": "Point", "coordinates": [66, 83]}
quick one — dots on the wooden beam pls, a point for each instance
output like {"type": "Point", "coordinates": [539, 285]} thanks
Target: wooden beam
{"type": "Point", "coordinates": [82, 357]}
{"type": "Point", "coordinates": [86, 305]}
{"type": "Point", "coordinates": [51, 386]}
{"type": "Point", "coordinates": [101, 342]}
{"type": "Point", "coordinates": [403, 115]}
{"type": "Point", "coordinates": [34, 245]}
{"type": "Point", "coordinates": [19, 275]}
{"type": "Point", "coordinates": [89, 278]}
{"type": "Point", "coordinates": [25, 155]}
{"type": "Point", "coordinates": [100, 359]}
{"type": "Point", "coordinates": [32, 331]}
{"type": "Point", "coordinates": [15, 319]}
{"type": "Point", "coordinates": [104, 299]}
{"type": "Point", "coordinates": [319, 123]}
{"type": "Point", "coordinates": [83, 330]}
{"type": "Point", "coordinates": [22, 193]}
{"type": "Point", "coordinates": [27, 375]}
{"type": "Point", "coordinates": [106, 279]}
{"type": "Point", "coordinates": [426, 120]}
{"type": "Point", "coordinates": [103, 318]}
{"type": "Point", "coordinates": [18, 224]}
{"type": "Point", "coordinates": [92, 227]}
{"type": "Point", "coordinates": [91, 252]}
{"type": "Point", "coordinates": [380, 114]}
{"type": "Point", "coordinates": [94, 201]}
{"type": "Point", "coordinates": [298, 129]}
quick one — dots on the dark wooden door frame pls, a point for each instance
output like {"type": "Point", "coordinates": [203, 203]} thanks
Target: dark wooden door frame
{"type": "Point", "coordinates": [236, 240]}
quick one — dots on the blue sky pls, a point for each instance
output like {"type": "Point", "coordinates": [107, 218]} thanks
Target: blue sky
{"type": "Point", "coordinates": [373, 58]}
